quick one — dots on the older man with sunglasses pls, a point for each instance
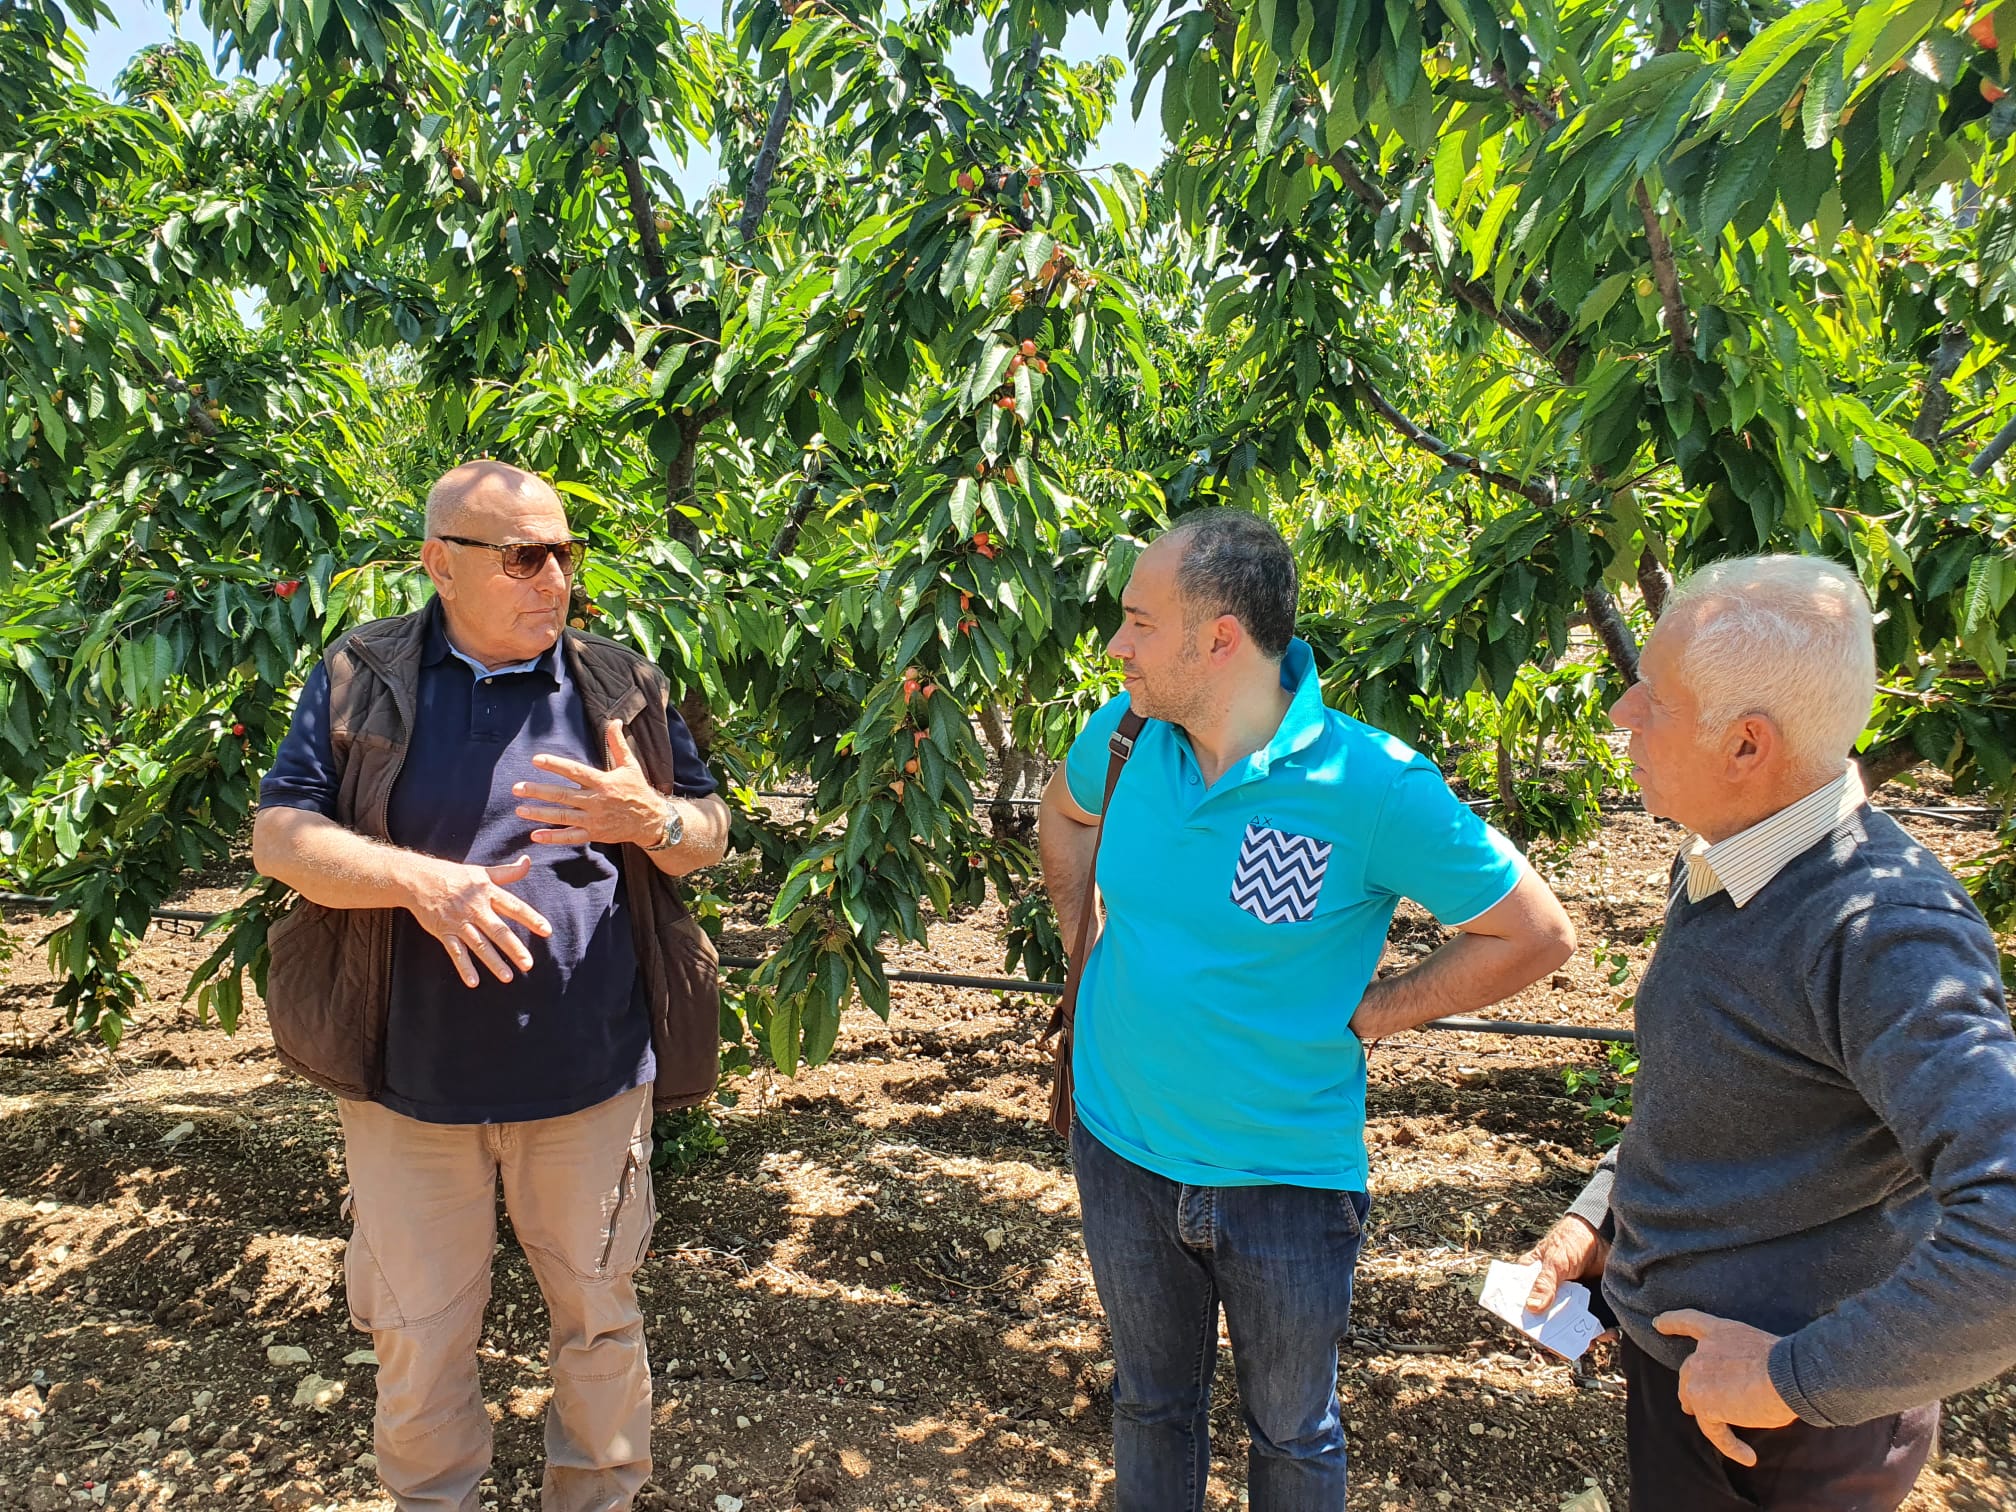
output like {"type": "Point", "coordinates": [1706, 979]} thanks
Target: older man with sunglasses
{"type": "Point", "coordinates": [489, 963]}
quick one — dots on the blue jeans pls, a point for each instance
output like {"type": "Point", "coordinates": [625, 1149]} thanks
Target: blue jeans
{"type": "Point", "coordinates": [1164, 1256]}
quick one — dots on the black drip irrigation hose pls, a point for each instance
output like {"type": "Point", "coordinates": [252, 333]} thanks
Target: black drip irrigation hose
{"type": "Point", "coordinates": [1511, 1027]}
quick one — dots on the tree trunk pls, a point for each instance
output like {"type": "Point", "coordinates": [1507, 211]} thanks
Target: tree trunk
{"type": "Point", "coordinates": [1891, 759]}
{"type": "Point", "coordinates": [1608, 622]}
{"type": "Point", "coordinates": [1020, 775]}
{"type": "Point", "coordinates": [1508, 800]}
{"type": "Point", "coordinates": [1937, 405]}
{"type": "Point", "coordinates": [699, 719]}
{"type": "Point", "coordinates": [1654, 582]}
{"type": "Point", "coordinates": [1992, 453]}
{"type": "Point", "coordinates": [757, 200]}
{"type": "Point", "coordinates": [794, 523]}
{"type": "Point", "coordinates": [679, 481]}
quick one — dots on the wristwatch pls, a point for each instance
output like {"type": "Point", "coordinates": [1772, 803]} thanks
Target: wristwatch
{"type": "Point", "coordinates": [675, 828]}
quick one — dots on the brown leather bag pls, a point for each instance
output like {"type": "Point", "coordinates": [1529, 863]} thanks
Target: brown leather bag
{"type": "Point", "coordinates": [1064, 1017]}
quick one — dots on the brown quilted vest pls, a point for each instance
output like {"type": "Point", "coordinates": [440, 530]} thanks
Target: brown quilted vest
{"type": "Point", "coordinates": [329, 985]}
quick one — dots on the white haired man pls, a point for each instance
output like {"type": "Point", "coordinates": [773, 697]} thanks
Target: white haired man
{"type": "Point", "coordinates": [1808, 1232]}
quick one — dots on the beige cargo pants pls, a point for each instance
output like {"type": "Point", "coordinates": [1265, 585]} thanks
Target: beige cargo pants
{"type": "Point", "coordinates": [417, 1270]}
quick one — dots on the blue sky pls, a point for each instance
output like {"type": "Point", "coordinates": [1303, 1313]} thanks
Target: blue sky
{"type": "Point", "coordinates": [141, 23]}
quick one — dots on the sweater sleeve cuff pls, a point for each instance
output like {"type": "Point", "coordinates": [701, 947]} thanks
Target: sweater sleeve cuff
{"type": "Point", "coordinates": [1784, 1373]}
{"type": "Point", "coordinates": [1593, 1206]}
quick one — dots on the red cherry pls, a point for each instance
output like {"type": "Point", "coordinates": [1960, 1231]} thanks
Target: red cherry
{"type": "Point", "coordinates": [237, 729]}
{"type": "Point", "coordinates": [171, 595]}
{"type": "Point", "coordinates": [287, 587]}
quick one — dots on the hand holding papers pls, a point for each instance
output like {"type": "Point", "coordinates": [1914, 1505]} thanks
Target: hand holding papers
{"type": "Point", "coordinates": [1565, 1326]}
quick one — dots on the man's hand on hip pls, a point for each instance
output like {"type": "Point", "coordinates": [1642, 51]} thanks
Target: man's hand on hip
{"type": "Point", "coordinates": [1726, 1382]}
{"type": "Point", "coordinates": [466, 909]}
{"type": "Point", "coordinates": [1569, 1251]}
{"type": "Point", "coordinates": [596, 807]}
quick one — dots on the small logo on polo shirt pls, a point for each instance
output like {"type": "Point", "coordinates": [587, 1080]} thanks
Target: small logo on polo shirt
{"type": "Point", "coordinates": [1280, 875]}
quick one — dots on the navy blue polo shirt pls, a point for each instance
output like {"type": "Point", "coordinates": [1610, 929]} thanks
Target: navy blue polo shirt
{"type": "Point", "coordinates": [575, 1029]}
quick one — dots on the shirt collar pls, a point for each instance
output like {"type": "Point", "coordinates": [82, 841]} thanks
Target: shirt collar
{"type": "Point", "coordinates": [439, 648]}
{"type": "Point", "coordinates": [1306, 716]}
{"type": "Point", "coordinates": [1745, 863]}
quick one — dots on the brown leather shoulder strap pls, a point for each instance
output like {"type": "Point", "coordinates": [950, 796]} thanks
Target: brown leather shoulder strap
{"type": "Point", "coordinates": [1119, 748]}
{"type": "Point", "coordinates": [1064, 1016]}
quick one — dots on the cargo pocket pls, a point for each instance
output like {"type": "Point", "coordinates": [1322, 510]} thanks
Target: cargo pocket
{"type": "Point", "coordinates": [373, 1308]}
{"type": "Point", "coordinates": [633, 1216]}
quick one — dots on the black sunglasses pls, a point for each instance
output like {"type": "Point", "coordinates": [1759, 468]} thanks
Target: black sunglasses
{"type": "Point", "coordinates": [526, 559]}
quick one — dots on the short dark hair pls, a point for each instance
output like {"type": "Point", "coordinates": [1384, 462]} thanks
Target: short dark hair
{"type": "Point", "coordinates": [1236, 563]}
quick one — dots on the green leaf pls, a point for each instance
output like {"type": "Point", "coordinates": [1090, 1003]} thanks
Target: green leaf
{"type": "Point", "coordinates": [784, 1032]}
{"type": "Point", "coordinates": [1268, 122]}
{"type": "Point", "coordinates": [1036, 249]}
{"type": "Point", "coordinates": [1596, 304]}
{"type": "Point", "coordinates": [1773, 50]}
{"type": "Point", "coordinates": [964, 504]}
{"type": "Point", "coordinates": [986, 375]}
{"type": "Point", "coordinates": [1909, 106]}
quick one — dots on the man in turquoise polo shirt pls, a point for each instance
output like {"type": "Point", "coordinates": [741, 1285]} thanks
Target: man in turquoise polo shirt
{"type": "Point", "coordinates": [1255, 848]}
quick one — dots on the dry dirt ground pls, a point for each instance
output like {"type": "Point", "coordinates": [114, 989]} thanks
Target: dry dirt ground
{"type": "Point", "coordinates": [875, 1298]}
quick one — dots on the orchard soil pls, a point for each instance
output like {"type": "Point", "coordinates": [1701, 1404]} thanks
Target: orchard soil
{"type": "Point", "coordinates": [874, 1298]}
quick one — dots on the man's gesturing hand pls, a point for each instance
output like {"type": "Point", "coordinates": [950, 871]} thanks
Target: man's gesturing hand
{"type": "Point", "coordinates": [1569, 1251]}
{"type": "Point", "coordinates": [1727, 1380]}
{"type": "Point", "coordinates": [597, 807]}
{"type": "Point", "coordinates": [465, 908]}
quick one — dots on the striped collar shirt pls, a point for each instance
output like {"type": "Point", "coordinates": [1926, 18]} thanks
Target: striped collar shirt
{"type": "Point", "coordinates": [1745, 863]}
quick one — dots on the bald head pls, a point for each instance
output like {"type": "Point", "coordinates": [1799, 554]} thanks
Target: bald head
{"type": "Point", "coordinates": [493, 616]}
{"type": "Point", "coordinates": [486, 495]}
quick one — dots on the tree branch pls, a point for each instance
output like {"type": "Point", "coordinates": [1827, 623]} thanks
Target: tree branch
{"type": "Point", "coordinates": [1664, 273]}
{"type": "Point", "coordinates": [757, 201]}
{"type": "Point", "coordinates": [1655, 583]}
{"type": "Point", "coordinates": [1030, 62]}
{"type": "Point", "coordinates": [1546, 332]}
{"type": "Point", "coordinates": [1937, 405]}
{"type": "Point", "coordinates": [679, 475]}
{"type": "Point", "coordinates": [644, 221]}
{"type": "Point", "coordinates": [1435, 446]}
{"type": "Point", "coordinates": [801, 509]}
{"type": "Point", "coordinates": [1992, 453]}
{"type": "Point", "coordinates": [1609, 624]}
{"type": "Point", "coordinates": [1508, 799]}
{"type": "Point", "coordinates": [1604, 615]}
{"type": "Point", "coordinates": [1524, 100]}
{"type": "Point", "coordinates": [1891, 759]}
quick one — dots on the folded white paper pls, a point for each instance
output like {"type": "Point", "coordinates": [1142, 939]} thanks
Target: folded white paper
{"type": "Point", "coordinates": [1567, 1327]}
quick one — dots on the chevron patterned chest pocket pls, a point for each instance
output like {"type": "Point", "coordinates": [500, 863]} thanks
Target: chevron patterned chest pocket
{"type": "Point", "coordinates": [1279, 875]}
